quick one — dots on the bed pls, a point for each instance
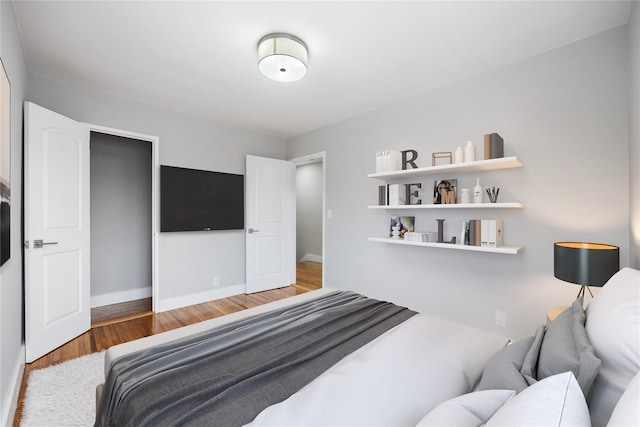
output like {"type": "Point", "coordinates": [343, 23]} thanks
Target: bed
{"type": "Point", "coordinates": [379, 364]}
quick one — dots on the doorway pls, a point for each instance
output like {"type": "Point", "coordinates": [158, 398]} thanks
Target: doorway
{"type": "Point", "coordinates": [57, 231]}
{"type": "Point", "coordinates": [121, 227]}
{"type": "Point", "coordinates": [310, 208]}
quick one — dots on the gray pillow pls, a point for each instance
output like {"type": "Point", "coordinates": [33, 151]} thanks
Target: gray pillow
{"type": "Point", "coordinates": [565, 347]}
{"type": "Point", "coordinates": [530, 363]}
{"type": "Point", "coordinates": [589, 362]}
{"type": "Point", "coordinates": [503, 369]}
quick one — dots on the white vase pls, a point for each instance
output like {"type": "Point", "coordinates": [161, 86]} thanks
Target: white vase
{"type": "Point", "coordinates": [470, 152]}
{"type": "Point", "coordinates": [477, 192]}
{"type": "Point", "coordinates": [459, 157]}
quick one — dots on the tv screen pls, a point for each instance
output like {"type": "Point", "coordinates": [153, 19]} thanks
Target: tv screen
{"type": "Point", "coordinates": [193, 200]}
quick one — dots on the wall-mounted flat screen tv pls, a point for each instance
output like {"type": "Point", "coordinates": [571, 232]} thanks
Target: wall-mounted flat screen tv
{"type": "Point", "coordinates": [196, 200]}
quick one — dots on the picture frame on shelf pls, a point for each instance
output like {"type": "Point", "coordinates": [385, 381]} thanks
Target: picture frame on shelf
{"type": "Point", "coordinates": [445, 191]}
{"type": "Point", "coordinates": [439, 156]}
{"type": "Point", "coordinates": [405, 223]}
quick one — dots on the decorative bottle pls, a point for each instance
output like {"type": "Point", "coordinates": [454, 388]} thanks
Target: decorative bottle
{"type": "Point", "coordinates": [459, 157]}
{"type": "Point", "coordinates": [477, 192]}
{"type": "Point", "coordinates": [470, 152]}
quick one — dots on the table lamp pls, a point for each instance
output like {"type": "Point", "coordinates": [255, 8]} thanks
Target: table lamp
{"type": "Point", "coordinates": [585, 264]}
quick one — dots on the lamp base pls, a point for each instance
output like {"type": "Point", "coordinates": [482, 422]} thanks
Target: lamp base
{"type": "Point", "coordinates": [581, 291]}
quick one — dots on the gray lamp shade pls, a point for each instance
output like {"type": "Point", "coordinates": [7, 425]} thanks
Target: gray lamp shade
{"type": "Point", "coordinates": [586, 264]}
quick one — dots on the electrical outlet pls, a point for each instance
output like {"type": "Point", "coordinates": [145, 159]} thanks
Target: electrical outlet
{"type": "Point", "coordinates": [329, 214]}
{"type": "Point", "coordinates": [216, 282]}
{"type": "Point", "coordinates": [501, 318]}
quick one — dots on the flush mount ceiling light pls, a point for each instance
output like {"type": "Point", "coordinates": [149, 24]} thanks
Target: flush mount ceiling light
{"type": "Point", "coordinates": [282, 57]}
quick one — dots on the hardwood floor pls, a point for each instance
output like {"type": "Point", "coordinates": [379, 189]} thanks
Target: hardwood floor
{"type": "Point", "coordinates": [309, 275]}
{"type": "Point", "coordinates": [110, 332]}
{"type": "Point", "coordinates": [101, 316]}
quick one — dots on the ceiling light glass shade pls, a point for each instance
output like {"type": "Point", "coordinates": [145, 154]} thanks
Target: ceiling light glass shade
{"type": "Point", "coordinates": [282, 57]}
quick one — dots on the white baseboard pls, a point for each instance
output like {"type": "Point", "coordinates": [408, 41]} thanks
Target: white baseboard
{"type": "Point", "coordinates": [11, 399]}
{"type": "Point", "coordinates": [121, 296]}
{"type": "Point", "coordinates": [311, 257]}
{"type": "Point", "coordinates": [197, 298]}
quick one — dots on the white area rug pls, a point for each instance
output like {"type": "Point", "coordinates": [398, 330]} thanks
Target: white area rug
{"type": "Point", "coordinates": [64, 395]}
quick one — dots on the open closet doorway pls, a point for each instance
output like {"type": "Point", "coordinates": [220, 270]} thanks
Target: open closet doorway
{"type": "Point", "coordinates": [310, 208]}
{"type": "Point", "coordinates": [122, 192]}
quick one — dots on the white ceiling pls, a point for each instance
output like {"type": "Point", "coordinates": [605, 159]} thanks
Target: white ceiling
{"type": "Point", "coordinates": [200, 57]}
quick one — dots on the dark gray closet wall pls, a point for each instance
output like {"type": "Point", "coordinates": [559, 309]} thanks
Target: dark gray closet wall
{"type": "Point", "coordinates": [120, 216]}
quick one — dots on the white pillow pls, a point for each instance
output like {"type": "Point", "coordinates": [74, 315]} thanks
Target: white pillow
{"type": "Point", "coordinates": [468, 410]}
{"type": "Point", "coordinates": [553, 401]}
{"type": "Point", "coordinates": [627, 411]}
{"type": "Point", "coordinates": [613, 328]}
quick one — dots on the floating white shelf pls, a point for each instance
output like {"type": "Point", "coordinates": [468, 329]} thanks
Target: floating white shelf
{"type": "Point", "coordinates": [480, 165]}
{"type": "Point", "coordinates": [510, 250]}
{"type": "Point", "coordinates": [506, 205]}
{"type": "Point", "coordinates": [477, 166]}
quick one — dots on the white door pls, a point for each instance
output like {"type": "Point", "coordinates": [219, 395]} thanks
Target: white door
{"type": "Point", "coordinates": [270, 223]}
{"type": "Point", "coordinates": [57, 300]}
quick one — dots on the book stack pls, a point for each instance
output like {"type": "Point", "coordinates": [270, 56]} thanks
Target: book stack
{"type": "Point", "coordinates": [396, 194]}
{"type": "Point", "coordinates": [388, 161]}
{"type": "Point", "coordinates": [391, 195]}
{"type": "Point", "coordinates": [484, 232]}
{"type": "Point", "coordinates": [493, 146]}
{"type": "Point", "coordinates": [383, 195]}
{"type": "Point", "coordinates": [430, 236]}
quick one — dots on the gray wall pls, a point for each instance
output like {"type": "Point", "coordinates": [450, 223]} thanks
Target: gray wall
{"type": "Point", "coordinates": [120, 215]}
{"type": "Point", "coordinates": [564, 113]}
{"type": "Point", "coordinates": [634, 133]}
{"type": "Point", "coordinates": [309, 210]}
{"type": "Point", "coordinates": [11, 299]}
{"type": "Point", "coordinates": [187, 261]}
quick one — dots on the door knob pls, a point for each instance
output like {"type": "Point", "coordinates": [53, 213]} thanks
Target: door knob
{"type": "Point", "coordinates": [38, 244]}
{"type": "Point", "coordinates": [251, 231]}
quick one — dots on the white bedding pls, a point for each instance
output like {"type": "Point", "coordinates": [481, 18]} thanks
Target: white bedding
{"type": "Point", "coordinates": [394, 380]}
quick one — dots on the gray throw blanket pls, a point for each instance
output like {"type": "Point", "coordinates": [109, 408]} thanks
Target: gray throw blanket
{"type": "Point", "coordinates": [228, 375]}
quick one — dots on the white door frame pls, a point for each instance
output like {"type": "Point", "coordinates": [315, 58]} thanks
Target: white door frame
{"type": "Point", "coordinates": [155, 199]}
{"type": "Point", "coordinates": [317, 158]}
